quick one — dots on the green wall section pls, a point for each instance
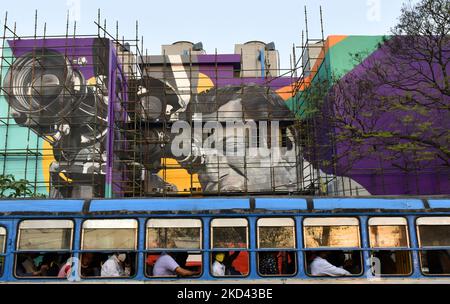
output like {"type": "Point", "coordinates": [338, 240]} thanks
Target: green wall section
{"type": "Point", "coordinates": [17, 140]}
{"type": "Point", "coordinates": [340, 54]}
{"type": "Point", "coordinates": [338, 61]}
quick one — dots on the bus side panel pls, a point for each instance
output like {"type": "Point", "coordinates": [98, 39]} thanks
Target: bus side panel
{"type": "Point", "coordinates": [414, 244]}
{"type": "Point", "coordinates": [10, 245]}
{"type": "Point", "coordinates": [253, 274]}
{"type": "Point", "coordinates": [140, 264]}
{"type": "Point", "coordinates": [206, 269]}
{"type": "Point", "coordinates": [300, 256]}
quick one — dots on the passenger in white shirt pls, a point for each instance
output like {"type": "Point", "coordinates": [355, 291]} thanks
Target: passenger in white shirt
{"type": "Point", "coordinates": [321, 267]}
{"type": "Point", "coordinates": [218, 268]}
{"type": "Point", "coordinates": [113, 267]}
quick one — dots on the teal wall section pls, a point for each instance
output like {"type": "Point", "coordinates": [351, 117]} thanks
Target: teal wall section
{"type": "Point", "coordinates": [341, 55]}
{"type": "Point", "coordinates": [15, 141]}
{"type": "Point", "coordinates": [338, 61]}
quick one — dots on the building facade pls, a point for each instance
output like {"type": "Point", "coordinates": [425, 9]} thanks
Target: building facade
{"type": "Point", "coordinates": [88, 117]}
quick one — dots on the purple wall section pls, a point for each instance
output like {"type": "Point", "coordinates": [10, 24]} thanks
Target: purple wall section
{"type": "Point", "coordinates": [226, 63]}
{"type": "Point", "coordinates": [112, 63]}
{"type": "Point", "coordinates": [72, 48]}
{"type": "Point", "coordinates": [381, 175]}
{"type": "Point", "coordinates": [211, 60]}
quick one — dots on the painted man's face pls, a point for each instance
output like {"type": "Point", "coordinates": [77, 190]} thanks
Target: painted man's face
{"type": "Point", "coordinates": [252, 168]}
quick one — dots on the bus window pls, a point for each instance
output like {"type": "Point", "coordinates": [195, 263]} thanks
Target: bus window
{"type": "Point", "coordinates": [276, 233]}
{"type": "Point", "coordinates": [229, 233]}
{"type": "Point", "coordinates": [110, 248]}
{"type": "Point", "coordinates": [434, 232]}
{"type": "Point", "coordinates": [2, 248]}
{"type": "Point", "coordinates": [44, 247]}
{"type": "Point", "coordinates": [175, 247]}
{"type": "Point", "coordinates": [389, 232]}
{"type": "Point", "coordinates": [337, 233]}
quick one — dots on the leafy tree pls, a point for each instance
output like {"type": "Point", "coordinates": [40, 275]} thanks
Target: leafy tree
{"type": "Point", "coordinates": [394, 107]}
{"type": "Point", "coordinates": [12, 188]}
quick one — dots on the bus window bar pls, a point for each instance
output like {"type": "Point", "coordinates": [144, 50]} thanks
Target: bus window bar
{"type": "Point", "coordinates": [433, 248]}
{"type": "Point", "coordinates": [237, 249]}
{"type": "Point", "coordinates": [375, 248]}
{"type": "Point", "coordinates": [42, 250]}
{"type": "Point", "coordinates": [272, 249]}
{"type": "Point", "coordinates": [228, 249]}
{"type": "Point", "coordinates": [333, 249]}
{"type": "Point", "coordinates": [107, 251]}
{"type": "Point", "coordinates": [79, 251]}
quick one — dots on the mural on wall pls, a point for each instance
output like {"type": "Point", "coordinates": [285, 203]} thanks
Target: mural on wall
{"type": "Point", "coordinates": [61, 93]}
{"type": "Point", "coordinates": [68, 115]}
{"type": "Point", "coordinates": [385, 106]}
{"type": "Point", "coordinates": [241, 135]}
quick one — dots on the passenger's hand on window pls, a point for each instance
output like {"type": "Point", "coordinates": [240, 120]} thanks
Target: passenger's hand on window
{"type": "Point", "coordinates": [44, 268]}
{"type": "Point", "coordinates": [186, 273]}
{"type": "Point", "coordinates": [127, 271]}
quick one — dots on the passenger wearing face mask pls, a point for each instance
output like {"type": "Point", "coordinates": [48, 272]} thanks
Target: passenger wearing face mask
{"type": "Point", "coordinates": [114, 266]}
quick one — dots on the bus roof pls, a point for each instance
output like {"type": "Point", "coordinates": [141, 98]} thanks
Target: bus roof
{"type": "Point", "coordinates": [216, 204]}
{"type": "Point", "coordinates": [374, 203]}
{"type": "Point", "coordinates": [41, 205]}
{"type": "Point", "coordinates": [168, 204]}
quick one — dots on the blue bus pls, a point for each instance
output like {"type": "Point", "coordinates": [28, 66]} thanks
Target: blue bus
{"type": "Point", "coordinates": [232, 240]}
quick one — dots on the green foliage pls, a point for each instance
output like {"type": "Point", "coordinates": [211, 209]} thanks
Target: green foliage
{"type": "Point", "coordinates": [405, 146]}
{"type": "Point", "coordinates": [12, 188]}
{"type": "Point", "coordinates": [425, 125]}
{"type": "Point", "coordinates": [425, 156]}
{"type": "Point", "coordinates": [382, 134]}
{"type": "Point", "coordinates": [407, 119]}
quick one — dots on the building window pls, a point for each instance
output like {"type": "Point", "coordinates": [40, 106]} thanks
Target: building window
{"type": "Point", "coordinates": [284, 137]}
{"type": "Point", "coordinates": [226, 234]}
{"type": "Point", "coordinates": [236, 72]}
{"type": "Point", "coordinates": [386, 235]}
{"type": "Point", "coordinates": [434, 232]}
{"type": "Point", "coordinates": [44, 247]}
{"type": "Point", "coordinates": [175, 247]}
{"type": "Point", "coordinates": [276, 233]}
{"type": "Point", "coordinates": [335, 241]}
{"type": "Point", "coordinates": [109, 248]}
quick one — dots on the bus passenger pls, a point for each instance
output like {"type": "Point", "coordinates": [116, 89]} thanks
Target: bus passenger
{"type": "Point", "coordinates": [268, 263]}
{"type": "Point", "coordinates": [88, 268]}
{"type": "Point", "coordinates": [286, 262]}
{"type": "Point", "coordinates": [115, 266]}
{"type": "Point", "coordinates": [166, 265]}
{"type": "Point", "coordinates": [223, 264]}
{"type": "Point", "coordinates": [26, 266]}
{"type": "Point", "coordinates": [438, 261]}
{"type": "Point", "coordinates": [50, 261]}
{"type": "Point", "coordinates": [66, 269]}
{"type": "Point", "coordinates": [228, 262]}
{"type": "Point", "coordinates": [387, 264]}
{"type": "Point", "coordinates": [218, 267]}
{"type": "Point", "coordinates": [321, 267]}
